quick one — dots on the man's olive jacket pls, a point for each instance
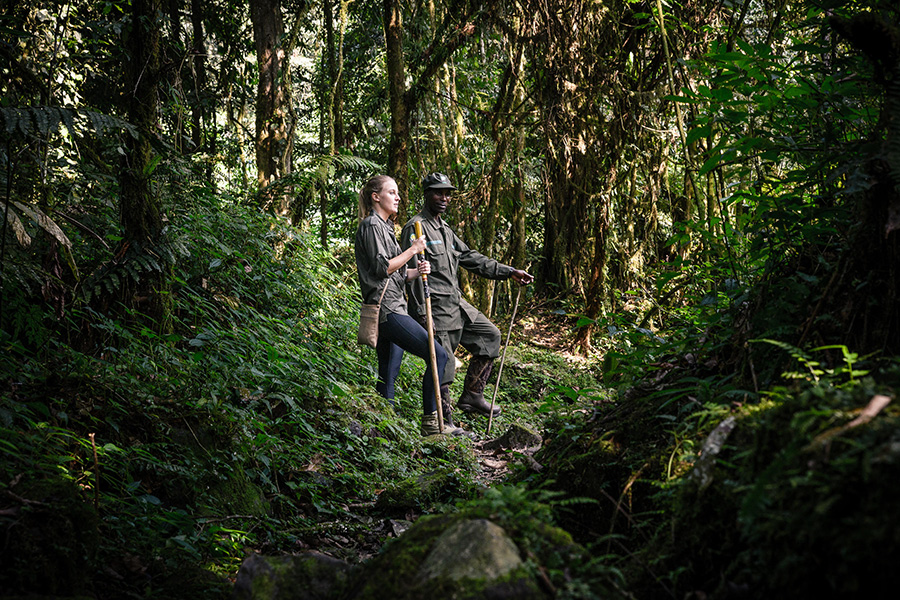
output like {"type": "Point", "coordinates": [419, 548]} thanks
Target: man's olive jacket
{"type": "Point", "coordinates": [446, 253]}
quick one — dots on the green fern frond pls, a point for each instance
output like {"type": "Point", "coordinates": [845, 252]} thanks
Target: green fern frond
{"type": "Point", "coordinates": [45, 120]}
{"type": "Point", "coordinates": [138, 260]}
{"type": "Point", "coordinates": [319, 171]}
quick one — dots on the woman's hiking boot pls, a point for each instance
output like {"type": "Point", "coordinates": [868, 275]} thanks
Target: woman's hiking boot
{"type": "Point", "coordinates": [430, 427]}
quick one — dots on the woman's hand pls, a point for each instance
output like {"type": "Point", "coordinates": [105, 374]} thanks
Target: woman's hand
{"type": "Point", "coordinates": [418, 245]}
{"type": "Point", "coordinates": [424, 268]}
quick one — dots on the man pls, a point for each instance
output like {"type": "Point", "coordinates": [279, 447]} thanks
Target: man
{"type": "Point", "coordinates": [455, 320]}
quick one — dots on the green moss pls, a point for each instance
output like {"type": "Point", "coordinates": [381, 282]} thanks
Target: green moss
{"type": "Point", "coordinates": [440, 485]}
{"type": "Point", "coordinates": [310, 575]}
{"type": "Point", "coordinates": [236, 494]}
{"type": "Point", "coordinates": [797, 501]}
{"type": "Point", "coordinates": [395, 573]}
{"type": "Point", "coordinates": [390, 574]}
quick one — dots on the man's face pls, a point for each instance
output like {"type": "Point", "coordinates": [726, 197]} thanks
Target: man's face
{"type": "Point", "coordinates": [437, 200]}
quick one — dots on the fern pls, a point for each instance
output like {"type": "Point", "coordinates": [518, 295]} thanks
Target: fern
{"type": "Point", "coordinates": [138, 260]}
{"type": "Point", "coordinates": [318, 172]}
{"type": "Point", "coordinates": [816, 368]}
{"type": "Point", "coordinates": [45, 120]}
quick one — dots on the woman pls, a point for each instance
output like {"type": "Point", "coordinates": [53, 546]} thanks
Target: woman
{"type": "Point", "coordinates": [380, 263]}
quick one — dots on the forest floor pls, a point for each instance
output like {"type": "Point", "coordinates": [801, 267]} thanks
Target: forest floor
{"type": "Point", "coordinates": [549, 333]}
{"type": "Point", "coordinates": [360, 533]}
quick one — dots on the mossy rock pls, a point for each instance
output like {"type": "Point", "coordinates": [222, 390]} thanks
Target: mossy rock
{"type": "Point", "coordinates": [419, 492]}
{"type": "Point", "coordinates": [800, 502]}
{"type": "Point", "coordinates": [236, 494]}
{"type": "Point", "coordinates": [447, 556]}
{"type": "Point", "coordinates": [517, 437]}
{"type": "Point", "coordinates": [309, 576]}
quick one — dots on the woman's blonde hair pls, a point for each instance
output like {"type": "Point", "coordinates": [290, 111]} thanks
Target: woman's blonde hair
{"type": "Point", "coordinates": [373, 186]}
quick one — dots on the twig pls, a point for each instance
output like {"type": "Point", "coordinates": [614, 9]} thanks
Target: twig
{"type": "Point", "coordinates": [96, 472]}
{"type": "Point", "coordinates": [25, 501]}
{"type": "Point", "coordinates": [226, 518]}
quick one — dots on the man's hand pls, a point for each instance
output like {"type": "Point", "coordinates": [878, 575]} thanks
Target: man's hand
{"type": "Point", "coordinates": [521, 277]}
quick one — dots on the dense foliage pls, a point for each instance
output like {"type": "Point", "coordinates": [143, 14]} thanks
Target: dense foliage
{"type": "Point", "coordinates": [707, 193]}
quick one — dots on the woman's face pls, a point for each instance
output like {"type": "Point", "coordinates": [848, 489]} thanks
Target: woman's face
{"type": "Point", "coordinates": [387, 201]}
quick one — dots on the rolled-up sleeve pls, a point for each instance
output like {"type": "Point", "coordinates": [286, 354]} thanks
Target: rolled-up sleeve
{"type": "Point", "coordinates": [373, 243]}
{"type": "Point", "coordinates": [375, 247]}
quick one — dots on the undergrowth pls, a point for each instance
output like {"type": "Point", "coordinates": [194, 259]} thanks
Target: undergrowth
{"type": "Point", "coordinates": [254, 425]}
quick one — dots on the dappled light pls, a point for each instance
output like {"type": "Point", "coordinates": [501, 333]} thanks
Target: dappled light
{"type": "Point", "coordinates": [698, 387]}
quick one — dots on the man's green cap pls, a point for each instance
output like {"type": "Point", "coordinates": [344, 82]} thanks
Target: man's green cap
{"type": "Point", "coordinates": [437, 181]}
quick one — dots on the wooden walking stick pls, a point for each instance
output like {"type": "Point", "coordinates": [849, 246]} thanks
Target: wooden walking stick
{"type": "Point", "coordinates": [512, 320]}
{"type": "Point", "coordinates": [430, 324]}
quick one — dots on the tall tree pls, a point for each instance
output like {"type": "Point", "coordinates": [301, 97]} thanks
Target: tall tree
{"type": "Point", "coordinates": [398, 148]}
{"type": "Point", "coordinates": [140, 207]}
{"type": "Point", "coordinates": [563, 70]}
{"type": "Point", "coordinates": [203, 128]}
{"type": "Point", "coordinates": [335, 65]}
{"type": "Point", "coordinates": [458, 24]}
{"type": "Point", "coordinates": [274, 139]}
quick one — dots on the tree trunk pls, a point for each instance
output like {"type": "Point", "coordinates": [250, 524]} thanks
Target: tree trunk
{"type": "Point", "coordinates": [199, 110]}
{"type": "Point", "coordinates": [334, 87]}
{"type": "Point", "coordinates": [140, 208]}
{"type": "Point", "coordinates": [398, 146]}
{"type": "Point", "coordinates": [274, 145]}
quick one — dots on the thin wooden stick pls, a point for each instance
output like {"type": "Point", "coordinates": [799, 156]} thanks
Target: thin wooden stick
{"type": "Point", "coordinates": [96, 472]}
{"type": "Point", "coordinates": [436, 377]}
{"type": "Point", "coordinates": [512, 320]}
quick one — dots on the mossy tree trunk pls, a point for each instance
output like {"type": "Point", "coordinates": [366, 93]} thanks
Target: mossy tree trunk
{"type": "Point", "coordinates": [140, 206]}
{"type": "Point", "coordinates": [274, 139]}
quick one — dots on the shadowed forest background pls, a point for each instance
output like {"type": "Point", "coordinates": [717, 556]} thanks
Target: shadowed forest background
{"type": "Point", "coordinates": [708, 194]}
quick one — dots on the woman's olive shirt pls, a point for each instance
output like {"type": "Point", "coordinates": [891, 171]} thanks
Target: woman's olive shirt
{"type": "Point", "coordinates": [376, 244]}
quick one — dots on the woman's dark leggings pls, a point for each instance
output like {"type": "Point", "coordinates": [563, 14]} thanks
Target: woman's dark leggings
{"type": "Point", "coordinates": [401, 332]}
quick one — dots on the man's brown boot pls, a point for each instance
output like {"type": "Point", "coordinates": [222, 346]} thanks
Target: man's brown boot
{"type": "Point", "coordinates": [477, 375]}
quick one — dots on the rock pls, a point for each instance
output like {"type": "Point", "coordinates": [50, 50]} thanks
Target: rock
{"type": "Point", "coordinates": [474, 549]}
{"type": "Point", "coordinates": [415, 492]}
{"type": "Point", "coordinates": [447, 556]}
{"type": "Point", "coordinates": [236, 493]}
{"type": "Point", "coordinates": [309, 576]}
{"type": "Point", "coordinates": [529, 463]}
{"type": "Point", "coordinates": [518, 437]}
